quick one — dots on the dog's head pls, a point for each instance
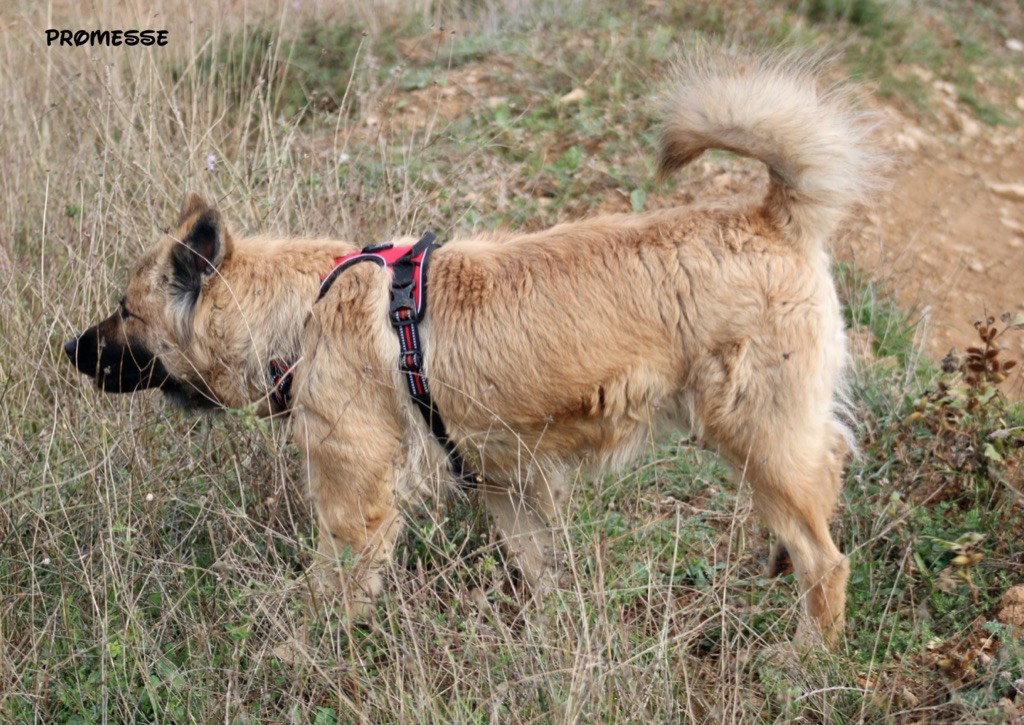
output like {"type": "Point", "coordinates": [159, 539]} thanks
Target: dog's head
{"type": "Point", "coordinates": [149, 341]}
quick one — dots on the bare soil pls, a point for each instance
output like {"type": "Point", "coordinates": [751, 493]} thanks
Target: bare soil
{"type": "Point", "coordinates": [946, 233]}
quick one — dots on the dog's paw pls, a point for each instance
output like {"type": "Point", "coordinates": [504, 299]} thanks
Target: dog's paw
{"type": "Point", "coordinates": [812, 635]}
{"type": "Point", "coordinates": [351, 590]}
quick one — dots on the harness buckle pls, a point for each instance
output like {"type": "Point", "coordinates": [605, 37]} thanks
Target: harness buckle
{"type": "Point", "coordinates": [411, 361]}
{"type": "Point", "coordinates": [402, 299]}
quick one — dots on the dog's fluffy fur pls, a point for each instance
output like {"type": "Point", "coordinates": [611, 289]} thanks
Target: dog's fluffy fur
{"type": "Point", "coordinates": [546, 352]}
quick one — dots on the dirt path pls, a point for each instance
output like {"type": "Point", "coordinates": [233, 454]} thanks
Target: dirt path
{"type": "Point", "coordinates": [948, 233]}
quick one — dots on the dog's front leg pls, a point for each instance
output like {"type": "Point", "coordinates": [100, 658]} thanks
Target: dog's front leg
{"type": "Point", "coordinates": [356, 539]}
{"type": "Point", "coordinates": [352, 480]}
{"type": "Point", "coordinates": [528, 520]}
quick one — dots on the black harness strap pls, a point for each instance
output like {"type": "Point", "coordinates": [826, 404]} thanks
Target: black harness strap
{"type": "Point", "coordinates": [407, 307]}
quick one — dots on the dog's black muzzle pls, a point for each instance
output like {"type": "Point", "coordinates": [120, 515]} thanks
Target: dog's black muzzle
{"type": "Point", "coordinates": [116, 364]}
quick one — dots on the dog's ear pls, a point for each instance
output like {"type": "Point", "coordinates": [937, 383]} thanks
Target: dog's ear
{"type": "Point", "coordinates": [202, 248]}
{"type": "Point", "coordinates": [193, 205]}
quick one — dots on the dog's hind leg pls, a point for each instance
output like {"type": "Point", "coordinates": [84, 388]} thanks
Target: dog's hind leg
{"type": "Point", "coordinates": [796, 500]}
{"type": "Point", "coordinates": [794, 471]}
{"type": "Point", "coordinates": [779, 561]}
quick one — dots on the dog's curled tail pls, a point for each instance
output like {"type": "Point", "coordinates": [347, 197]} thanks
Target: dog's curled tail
{"type": "Point", "coordinates": [772, 109]}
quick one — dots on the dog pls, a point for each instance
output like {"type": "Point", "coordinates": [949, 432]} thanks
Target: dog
{"type": "Point", "coordinates": [547, 353]}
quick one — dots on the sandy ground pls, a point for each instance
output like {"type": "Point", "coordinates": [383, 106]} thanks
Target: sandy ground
{"type": "Point", "coordinates": [947, 233]}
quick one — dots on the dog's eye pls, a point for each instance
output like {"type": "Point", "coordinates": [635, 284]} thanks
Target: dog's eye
{"type": "Point", "coordinates": [125, 314]}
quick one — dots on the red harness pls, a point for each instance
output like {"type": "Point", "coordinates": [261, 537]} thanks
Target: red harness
{"type": "Point", "coordinates": [399, 260]}
{"type": "Point", "coordinates": [408, 267]}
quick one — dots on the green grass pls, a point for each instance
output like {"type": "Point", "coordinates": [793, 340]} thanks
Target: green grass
{"type": "Point", "coordinates": [887, 42]}
{"type": "Point", "coordinates": [154, 566]}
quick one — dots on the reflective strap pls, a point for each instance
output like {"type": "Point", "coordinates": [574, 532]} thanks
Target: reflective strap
{"type": "Point", "coordinates": [408, 304]}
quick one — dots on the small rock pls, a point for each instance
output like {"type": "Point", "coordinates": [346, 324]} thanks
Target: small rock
{"type": "Point", "coordinates": [1011, 606]}
{"type": "Point", "coordinates": [910, 698]}
{"type": "Point", "coordinates": [976, 267]}
{"type": "Point", "coordinates": [287, 653]}
{"type": "Point", "coordinates": [944, 87]}
{"type": "Point", "coordinates": [497, 101]}
{"type": "Point", "coordinates": [576, 95]}
{"type": "Point", "coordinates": [907, 142]}
{"type": "Point", "coordinates": [1019, 102]}
{"type": "Point", "coordinates": [970, 127]}
{"type": "Point", "coordinates": [1015, 45]}
{"type": "Point", "coordinates": [1007, 191]}
{"type": "Point", "coordinates": [913, 137]}
{"type": "Point", "coordinates": [923, 73]}
{"type": "Point", "coordinates": [1016, 242]}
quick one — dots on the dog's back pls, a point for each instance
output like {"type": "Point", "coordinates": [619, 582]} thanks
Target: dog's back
{"type": "Point", "coordinates": [611, 317]}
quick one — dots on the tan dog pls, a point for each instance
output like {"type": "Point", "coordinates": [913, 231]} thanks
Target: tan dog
{"type": "Point", "coordinates": [546, 352]}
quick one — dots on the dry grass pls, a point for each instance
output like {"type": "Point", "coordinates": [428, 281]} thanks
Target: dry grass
{"type": "Point", "coordinates": [152, 566]}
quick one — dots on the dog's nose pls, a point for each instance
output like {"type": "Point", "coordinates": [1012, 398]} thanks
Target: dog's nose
{"type": "Point", "coordinates": [71, 349]}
